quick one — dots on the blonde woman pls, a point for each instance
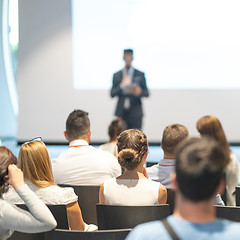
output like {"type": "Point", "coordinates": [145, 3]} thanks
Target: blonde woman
{"type": "Point", "coordinates": [210, 126]}
{"type": "Point", "coordinates": [34, 161]}
{"type": "Point", "coordinates": [132, 187]}
{"type": "Point", "coordinates": [12, 218]}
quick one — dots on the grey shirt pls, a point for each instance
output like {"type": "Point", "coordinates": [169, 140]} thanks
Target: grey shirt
{"type": "Point", "coordinates": [161, 173]}
{"type": "Point", "coordinates": [39, 219]}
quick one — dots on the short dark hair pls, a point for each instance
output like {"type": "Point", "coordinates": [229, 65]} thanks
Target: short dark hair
{"type": "Point", "coordinates": [6, 158]}
{"type": "Point", "coordinates": [132, 145]}
{"type": "Point", "coordinates": [200, 165]}
{"type": "Point", "coordinates": [116, 127]}
{"type": "Point", "coordinates": [77, 124]}
{"type": "Point", "coordinates": [172, 135]}
{"type": "Point", "coordinates": [128, 51]}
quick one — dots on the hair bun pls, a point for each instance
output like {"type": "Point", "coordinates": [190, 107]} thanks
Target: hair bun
{"type": "Point", "coordinates": [128, 158]}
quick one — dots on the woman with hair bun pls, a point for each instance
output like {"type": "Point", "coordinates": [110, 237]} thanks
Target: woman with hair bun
{"type": "Point", "coordinates": [210, 126]}
{"type": "Point", "coordinates": [132, 187]}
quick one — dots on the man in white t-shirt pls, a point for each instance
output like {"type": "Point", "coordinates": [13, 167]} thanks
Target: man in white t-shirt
{"type": "Point", "coordinates": [82, 164]}
{"type": "Point", "coordinates": [200, 166]}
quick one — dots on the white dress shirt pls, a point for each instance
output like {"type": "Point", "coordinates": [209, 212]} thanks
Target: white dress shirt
{"type": "Point", "coordinates": [82, 164]}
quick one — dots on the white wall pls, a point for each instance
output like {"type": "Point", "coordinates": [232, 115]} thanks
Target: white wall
{"type": "Point", "coordinates": [47, 96]}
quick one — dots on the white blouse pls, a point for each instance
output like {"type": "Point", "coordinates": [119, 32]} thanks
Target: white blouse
{"type": "Point", "coordinates": [131, 192]}
{"type": "Point", "coordinates": [53, 195]}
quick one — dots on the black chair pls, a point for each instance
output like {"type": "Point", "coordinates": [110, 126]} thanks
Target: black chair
{"type": "Point", "coordinates": [149, 164]}
{"type": "Point", "coordinates": [171, 199]}
{"type": "Point", "coordinates": [58, 234]}
{"type": "Point", "coordinates": [60, 214]}
{"type": "Point", "coordinates": [87, 200]}
{"type": "Point", "coordinates": [119, 217]}
{"type": "Point", "coordinates": [228, 212]}
{"type": "Point", "coordinates": [237, 195]}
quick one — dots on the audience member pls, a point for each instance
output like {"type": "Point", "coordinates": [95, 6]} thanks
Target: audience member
{"type": "Point", "coordinates": [132, 187]}
{"type": "Point", "coordinates": [82, 164]}
{"type": "Point", "coordinates": [12, 218]}
{"type": "Point", "coordinates": [161, 172]}
{"type": "Point", "coordinates": [210, 126]}
{"type": "Point", "coordinates": [115, 128]}
{"type": "Point", "coordinates": [172, 135]}
{"type": "Point", "coordinates": [200, 166]}
{"type": "Point", "coordinates": [34, 161]}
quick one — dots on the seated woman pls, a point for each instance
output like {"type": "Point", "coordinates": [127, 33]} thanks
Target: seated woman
{"type": "Point", "coordinates": [132, 187]}
{"type": "Point", "coordinates": [115, 128]}
{"type": "Point", "coordinates": [210, 126]}
{"type": "Point", "coordinates": [34, 161]}
{"type": "Point", "coordinates": [13, 218]}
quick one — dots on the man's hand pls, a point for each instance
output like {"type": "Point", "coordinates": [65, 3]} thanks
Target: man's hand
{"type": "Point", "coordinates": [125, 81]}
{"type": "Point", "coordinates": [137, 90]}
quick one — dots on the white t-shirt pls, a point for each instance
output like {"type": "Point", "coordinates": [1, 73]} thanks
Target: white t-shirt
{"type": "Point", "coordinates": [109, 147]}
{"type": "Point", "coordinates": [131, 192]}
{"type": "Point", "coordinates": [82, 164]}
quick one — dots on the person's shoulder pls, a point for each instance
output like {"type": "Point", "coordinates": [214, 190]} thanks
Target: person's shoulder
{"type": "Point", "coordinates": [118, 73]}
{"type": "Point", "coordinates": [150, 230]}
{"type": "Point", "coordinates": [138, 72]}
{"type": "Point", "coordinates": [153, 168]}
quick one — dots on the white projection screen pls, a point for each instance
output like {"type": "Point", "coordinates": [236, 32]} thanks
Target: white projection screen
{"type": "Point", "coordinates": [69, 50]}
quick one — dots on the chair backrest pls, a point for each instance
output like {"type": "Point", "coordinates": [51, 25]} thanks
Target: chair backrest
{"type": "Point", "coordinates": [119, 217]}
{"type": "Point", "coordinates": [228, 212]}
{"type": "Point", "coordinates": [237, 195]}
{"type": "Point", "coordinates": [87, 200]}
{"type": "Point", "coordinates": [171, 199]}
{"type": "Point", "coordinates": [58, 234]}
{"type": "Point", "coordinates": [60, 214]}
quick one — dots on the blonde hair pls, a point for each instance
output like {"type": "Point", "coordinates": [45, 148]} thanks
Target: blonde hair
{"type": "Point", "coordinates": [210, 126]}
{"type": "Point", "coordinates": [34, 161]}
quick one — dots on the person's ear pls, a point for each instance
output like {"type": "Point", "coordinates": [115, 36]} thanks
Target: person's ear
{"type": "Point", "coordinates": [66, 135]}
{"type": "Point", "coordinates": [89, 135]}
{"type": "Point", "coordinates": [173, 179]}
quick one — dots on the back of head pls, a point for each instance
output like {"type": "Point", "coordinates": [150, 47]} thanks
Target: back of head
{"type": "Point", "coordinates": [34, 161]}
{"type": "Point", "coordinates": [132, 145]}
{"type": "Point", "coordinates": [172, 135]}
{"type": "Point", "coordinates": [6, 158]}
{"type": "Point", "coordinates": [210, 126]}
{"type": "Point", "coordinates": [200, 165]}
{"type": "Point", "coordinates": [77, 124]}
{"type": "Point", "coordinates": [116, 127]}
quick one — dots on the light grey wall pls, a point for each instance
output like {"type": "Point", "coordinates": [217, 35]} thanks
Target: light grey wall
{"type": "Point", "coordinates": [47, 96]}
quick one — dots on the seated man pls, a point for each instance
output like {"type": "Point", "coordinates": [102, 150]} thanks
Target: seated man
{"type": "Point", "coordinates": [200, 166]}
{"type": "Point", "coordinates": [172, 136]}
{"type": "Point", "coordinates": [82, 164]}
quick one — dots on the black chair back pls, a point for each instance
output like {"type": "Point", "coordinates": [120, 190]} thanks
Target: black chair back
{"type": "Point", "coordinates": [171, 199]}
{"type": "Point", "coordinates": [60, 214]}
{"type": "Point", "coordinates": [228, 212]}
{"type": "Point", "coordinates": [87, 200]}
{"type": "Point", "coordinates": [80, 235]}
{"type": "Point", "coordinates": [119, 217]}
{"type": "Point", "coordinates": [237, 195]}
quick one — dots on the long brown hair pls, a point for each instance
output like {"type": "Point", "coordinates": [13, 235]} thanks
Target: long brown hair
{"type": "Point", "coordinates": [6, 158]}
{"type": "Point", "coordinates": [210, 126]}
{"type": "Point", "coordinates": [34, 161]}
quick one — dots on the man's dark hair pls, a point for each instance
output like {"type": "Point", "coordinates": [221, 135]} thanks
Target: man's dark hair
{"type": "Point", "coordinates": [200, 165]}
{"type": "Point", "coordinates": [116, 127]}
{"type": "Point", "coordinates": [172, 135]}
{"type": "Point", "coordinates": [128, 51]}
{"type": "Point", "coordinates": [77, 124]}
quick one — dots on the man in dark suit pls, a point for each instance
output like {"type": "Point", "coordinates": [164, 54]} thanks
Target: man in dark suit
{"type": "Point", "coordinates": [129, 85]}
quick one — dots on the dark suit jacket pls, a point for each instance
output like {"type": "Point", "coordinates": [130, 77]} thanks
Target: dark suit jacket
{"type": "Point", "coordinates": [135, 102]}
